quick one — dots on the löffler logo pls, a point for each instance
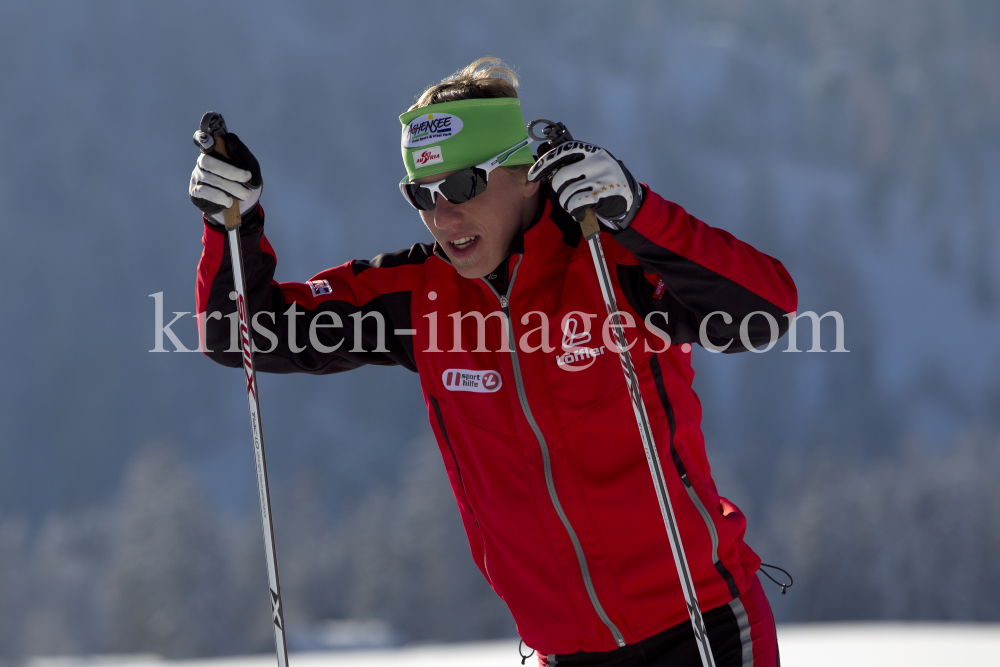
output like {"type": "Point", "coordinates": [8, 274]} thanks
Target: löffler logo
{"type": "Point", "coordinates": [570, 336]}
{"type": "Point", "coordinates": [427, 156]}
{"type": "Point", "coordinates": [573, 343]}
{"type": "Point", "coordinates": [480, 382]}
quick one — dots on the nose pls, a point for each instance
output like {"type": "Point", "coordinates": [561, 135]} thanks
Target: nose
{"type": "Point", "coordinates": [446, 214]}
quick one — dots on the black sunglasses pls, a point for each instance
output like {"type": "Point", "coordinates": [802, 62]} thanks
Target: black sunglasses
{"type": "Point", "coordinates": [458, 188]}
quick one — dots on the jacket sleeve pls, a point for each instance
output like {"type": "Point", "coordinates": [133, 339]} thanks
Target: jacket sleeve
{"type": "Point", "coordinates": [705, 270]}
{"type": "Point", "coordinates": [341, 319]}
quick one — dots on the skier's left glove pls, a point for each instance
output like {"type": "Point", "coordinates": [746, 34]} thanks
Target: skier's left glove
{"type": "Point", "coordinates": [584, 175]}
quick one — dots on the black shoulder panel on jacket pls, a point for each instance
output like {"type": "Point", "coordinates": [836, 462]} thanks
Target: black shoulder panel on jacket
{"type": "Point", "coordinates": [417, 254]}
{"type": "Point", "coordinates": [688, 283]}
{"type": "Point", "coordinates": [570, 228]}
{"type": "Point", "coordinates": [637, 290]}
{"type": "Point", "coordinates": [676, 320]}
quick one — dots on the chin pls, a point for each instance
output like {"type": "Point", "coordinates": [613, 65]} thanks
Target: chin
{"type": "Point", "coordinates": [472, 266]}
{"type": "Point", "coordinates": [467, 268]}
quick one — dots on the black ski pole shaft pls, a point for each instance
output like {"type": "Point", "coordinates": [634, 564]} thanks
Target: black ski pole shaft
{"type": "Point", "coordinates": [209, 138]}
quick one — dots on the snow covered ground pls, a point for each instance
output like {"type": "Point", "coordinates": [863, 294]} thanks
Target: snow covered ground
{"type": "Point", "coordinates": [814, 645]}
{"type": "Point", "coordinates": [884, 644]}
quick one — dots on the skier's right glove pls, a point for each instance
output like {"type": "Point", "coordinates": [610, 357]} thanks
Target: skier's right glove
{"type": "Point", "coordinates": [587, 176]}
{"type": "Point", "coordinates": [216, 180]}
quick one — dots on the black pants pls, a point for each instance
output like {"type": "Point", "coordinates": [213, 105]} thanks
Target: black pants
{"type": "Point", "coordinates": [741, 633]}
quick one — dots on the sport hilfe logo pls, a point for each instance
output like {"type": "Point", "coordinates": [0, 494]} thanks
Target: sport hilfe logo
{"type": "Point", "coordinates": [427, 156]}
{"type": "Point", "coordinates": [480, 382]}
{"type": "Point", "coordinates": [429, 128]}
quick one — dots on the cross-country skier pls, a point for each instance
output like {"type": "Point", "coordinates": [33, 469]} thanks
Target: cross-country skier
{"type": "Point", "coordinates": [502, 317]}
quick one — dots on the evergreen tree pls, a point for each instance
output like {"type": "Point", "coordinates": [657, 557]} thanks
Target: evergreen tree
{"type": "Point", "coordinates": [167, 589]}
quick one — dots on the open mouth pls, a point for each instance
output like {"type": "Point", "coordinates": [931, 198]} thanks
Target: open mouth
{"type": "Point", "coordinates": [463, 243]}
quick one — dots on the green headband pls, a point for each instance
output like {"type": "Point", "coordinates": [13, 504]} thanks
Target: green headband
{"type": "Point", "coordinates": [455, 135]}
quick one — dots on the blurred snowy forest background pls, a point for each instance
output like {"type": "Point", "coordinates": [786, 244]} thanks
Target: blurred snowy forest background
{"type": "Point", "coordinates": [857, 141]}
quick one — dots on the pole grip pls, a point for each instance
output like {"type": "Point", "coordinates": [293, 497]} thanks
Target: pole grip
{"type": "Point", "coordinates": [231, 216]}
{"type": "Point", "coordinates": [589, 225]}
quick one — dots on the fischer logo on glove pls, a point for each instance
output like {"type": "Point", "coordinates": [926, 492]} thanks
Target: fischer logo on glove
{"type": "Point", "coordinates": [427, 157]}
{"type": "Point", "coordinates": [480, 382]}
{"type": "Point", "coordinates": [588, 176]}
{"type": "Point", "coordinates": [553, 154]}
{"type": "Point", "coordinates": [429, 128]}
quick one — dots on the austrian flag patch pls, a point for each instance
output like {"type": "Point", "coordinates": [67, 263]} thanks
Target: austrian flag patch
{"type": "Point", "coordinates": [319, 287]}
{"type": "Point", "coordinates": [481, 382]}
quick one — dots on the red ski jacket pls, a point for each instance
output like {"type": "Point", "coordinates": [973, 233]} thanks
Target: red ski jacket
{"type": "Point", "coordinates": [536, 428]}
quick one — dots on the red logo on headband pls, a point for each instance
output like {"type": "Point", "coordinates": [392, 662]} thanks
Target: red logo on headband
{"type": "Point", "coordinates": [427, 156]}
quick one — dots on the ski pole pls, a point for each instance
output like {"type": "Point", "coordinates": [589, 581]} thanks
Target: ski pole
{"type": "Point", "coordinates": [555, 134]}
{"type": "Point", "coordinates": [212, 128]}
{"type": "Point", "coordinates": [592, 233]}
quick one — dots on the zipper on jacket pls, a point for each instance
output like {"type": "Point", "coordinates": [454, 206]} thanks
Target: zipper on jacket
{"type": "Point", "coordinates": [549, 483]}
{"type": "Point", "coordinates": [713, 533]}
{"type": "Point", "coordinates": [458, 469]}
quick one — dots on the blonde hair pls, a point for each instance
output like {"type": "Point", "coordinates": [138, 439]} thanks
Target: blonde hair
{"type": "Point", "coordinates": [483, 78]}
{"type": "Point", "coordinates": [486, 77]}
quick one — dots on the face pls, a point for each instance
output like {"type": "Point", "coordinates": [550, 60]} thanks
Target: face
{"type": "Point", "coordinates": [477, 234]}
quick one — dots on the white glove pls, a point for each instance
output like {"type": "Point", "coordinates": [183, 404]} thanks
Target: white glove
{"type": "Point", "coordinates": [584, 175]}
{"type": "Point", "coordinates": [214, 183]}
